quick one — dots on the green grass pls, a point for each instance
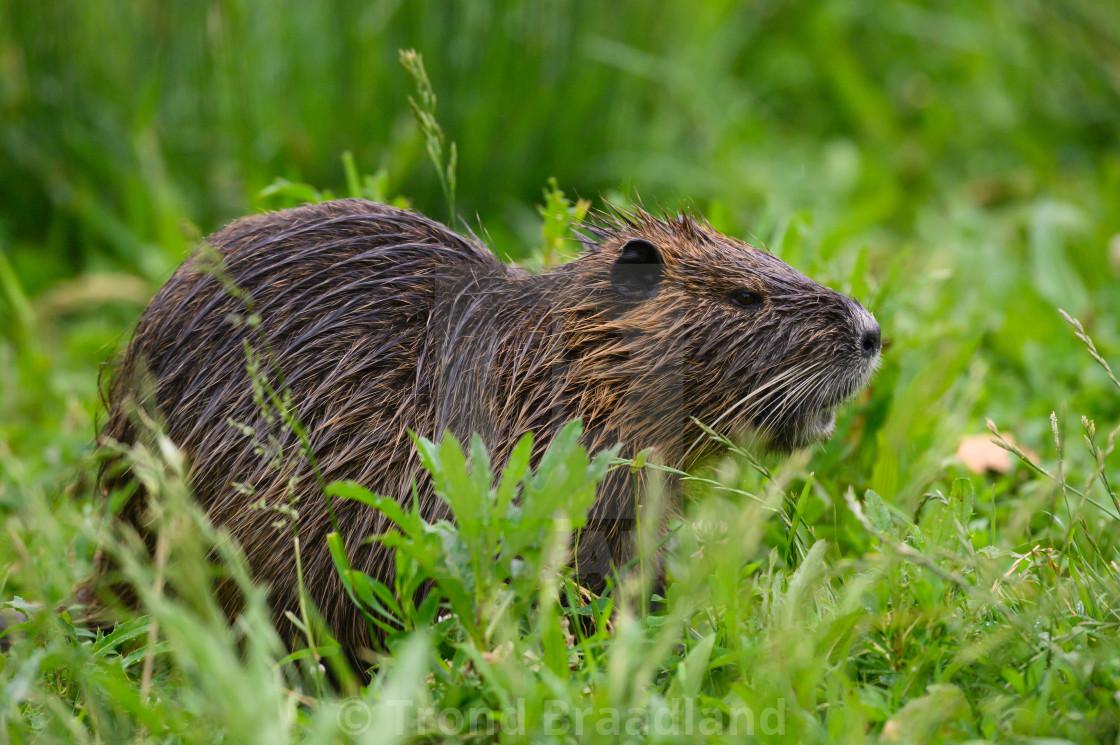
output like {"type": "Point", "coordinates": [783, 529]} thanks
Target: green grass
{"type": "Point", "coordinates": [956, 166]}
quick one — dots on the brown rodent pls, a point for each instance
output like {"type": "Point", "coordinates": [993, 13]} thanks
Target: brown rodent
{"type": "Point", "coordinates": [382, 321]}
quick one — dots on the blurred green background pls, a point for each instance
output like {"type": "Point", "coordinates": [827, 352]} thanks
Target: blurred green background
{"type": "Point", "coordinates": [954, 164]}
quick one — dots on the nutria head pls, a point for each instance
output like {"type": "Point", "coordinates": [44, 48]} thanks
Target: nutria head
{"type": "Point", "coordinates": [761, 350]}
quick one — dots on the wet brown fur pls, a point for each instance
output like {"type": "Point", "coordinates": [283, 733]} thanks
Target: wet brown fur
{"type": "Point", "coordinates": [383, 321]}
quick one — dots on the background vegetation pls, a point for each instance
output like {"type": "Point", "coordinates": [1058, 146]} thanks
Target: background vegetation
{"type": "Point", "coordinates": [956, 165]}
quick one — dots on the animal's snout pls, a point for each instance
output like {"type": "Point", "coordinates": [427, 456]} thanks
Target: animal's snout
{"type": "Point", "coordinates": [868, 334]}
{"type": "Point", "coordinates": [870, 341]}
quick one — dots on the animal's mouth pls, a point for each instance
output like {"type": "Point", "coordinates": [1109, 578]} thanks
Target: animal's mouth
{"type": "Point", "coordinates": [814, 421]}
{"type": "Point", "coordinates": [798, 414]}
{"type": "Point", "coordinates": [822, 424]}
{"type": "Point", "coordinates": [811, 428]}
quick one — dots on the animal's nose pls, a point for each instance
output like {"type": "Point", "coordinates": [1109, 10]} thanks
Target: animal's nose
{"type": "Point", "coordinates": [870, 341]}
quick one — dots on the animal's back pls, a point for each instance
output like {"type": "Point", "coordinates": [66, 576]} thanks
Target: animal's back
{"type": "Point", "coordinates": [343, 292]}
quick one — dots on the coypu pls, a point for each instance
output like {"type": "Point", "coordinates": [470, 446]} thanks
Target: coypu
{"type": "Point", "coordinates": [382, 321]}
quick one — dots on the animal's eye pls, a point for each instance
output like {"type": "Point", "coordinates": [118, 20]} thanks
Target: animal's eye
{"type": "Point", "coordinates": [746, 299]}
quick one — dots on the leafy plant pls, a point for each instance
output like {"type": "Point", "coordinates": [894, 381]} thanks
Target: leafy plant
{"type": "Point", "coordinates": [559, 215]}
{"type": "Point", "coordinates": [506, 539]}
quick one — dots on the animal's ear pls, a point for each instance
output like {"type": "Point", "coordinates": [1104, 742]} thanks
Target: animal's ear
{"type": "Point", "coordinates": [638, 270]}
